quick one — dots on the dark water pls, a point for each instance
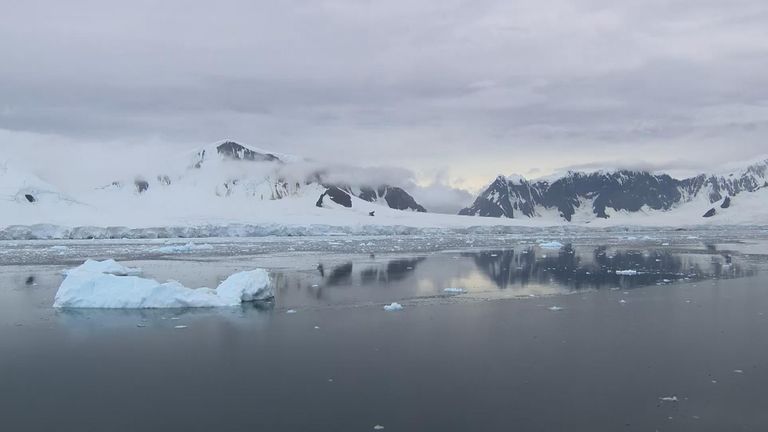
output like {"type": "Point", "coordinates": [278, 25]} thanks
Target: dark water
{"type": "Point", "coordinates": [692, 324]}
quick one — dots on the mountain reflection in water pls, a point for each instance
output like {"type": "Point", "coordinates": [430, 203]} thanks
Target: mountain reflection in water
{"type": "Point", "coordinates": [520, 271]}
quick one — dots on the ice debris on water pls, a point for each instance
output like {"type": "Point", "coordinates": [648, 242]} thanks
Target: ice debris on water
{"type": "Point", "coordinates": [189, 247]}
{"type": "Point", "coordinates": [94, 285]}
{"type": "Point", "coordinates": [378, 427]}
{"type": "Point", "coordinates": [668, 399]}
{"type": "Point", "coordinates": [738, 371]}
{"type": "Point", "coordinates": [180, 327]}
{"type": "Point", "coordinates": [626, 272]}
{"type": "Point", "coordinates": [551, 245]}
{"type": "Point", "coordinates": [454, 290]}
{"type": "Point", "coordinates": [555, 308]}
{"type": "Point", "coordinates": [291, 311]}
{"type": "Point", "coordinates": [392, 307]}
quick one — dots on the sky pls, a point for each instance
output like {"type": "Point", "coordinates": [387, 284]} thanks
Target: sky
{"type": "Point", "coordinates": [455, 92]}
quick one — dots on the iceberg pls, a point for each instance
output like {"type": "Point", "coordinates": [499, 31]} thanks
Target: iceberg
{"type": "Point", "coordinates": [95, 285]}
{"type": "Point", "coordinates": [393, 307]}
{"type": "Point", "coordinates": [626, 272]}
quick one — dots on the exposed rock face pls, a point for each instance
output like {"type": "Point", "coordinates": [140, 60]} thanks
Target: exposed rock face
{"type": "Point", "coordinates": [336, 195]}
{"type": "Point", "coordinates": [30, 198]}
{"type": "Point", "coordinates": [141, 185]}
{"type": "Point", "coordinates": [164, 180]}
{"type": "Point", "coordinates": [396, 197]}
{"type": "Point", "coordinates": [233, 150]}
{"type": "Point", "coordinates": [711, 212]}
{"type": "Point", "coordinates": [726, 203]}
{"type": "Point", "coordinates": [619, 190]}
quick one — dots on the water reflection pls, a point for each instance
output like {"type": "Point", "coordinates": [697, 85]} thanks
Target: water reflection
{"type": "Point", "coordinates": [597, 267]}
{"type": "Point", "coordinates": [517, 272]}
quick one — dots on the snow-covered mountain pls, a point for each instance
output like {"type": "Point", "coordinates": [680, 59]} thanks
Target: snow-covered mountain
{"type": "Point", "coordinates": [221, 181]}
{"type": "Point", "coordinates": [582, 197]}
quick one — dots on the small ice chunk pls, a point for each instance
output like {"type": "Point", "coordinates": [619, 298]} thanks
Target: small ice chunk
{"type": "Point", "coordinates": [555, 308]}
{"type": "Point", "coordinates": [454, 290]}
{"type": "Point", "coordinates": [291, 311]}
{"type": "Point", "coordinates": [551, 245]}
{"type": "Point", "coordinates": [626, 272]}
{"type": "Point", "coordinates": [622, 301]}
{"type": "Point", "coordinates": [378, 427]}
{"type": "Point", "coordinates": [180, 327]}
{"type": "Point", "coordinates": [392, 307]}
{"type": "Point", "coordinates": [668, 399]}
{"type": "Point", "coordinates": [738, 371]}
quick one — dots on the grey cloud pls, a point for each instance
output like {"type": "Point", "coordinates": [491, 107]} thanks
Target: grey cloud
{"type": "Point", "coordinates": [482, 87]}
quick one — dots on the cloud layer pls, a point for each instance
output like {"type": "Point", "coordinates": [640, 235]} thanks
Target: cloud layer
{"type": "Point", "coordinates": [475, 87]}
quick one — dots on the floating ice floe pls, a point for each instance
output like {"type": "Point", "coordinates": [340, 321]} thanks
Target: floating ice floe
{"type": "Point", "coordinates": [291, 311]}
{"type": "Point", "coordinates": [378, 427]}
{"type": "Point", "coordinates": [454, 290]}
{"type": "Point", "coordinates": [393, 307]}
{"type": "Point", "coordinates": [738, 371]}
{"type": "Point", "coordinates": [668, 399]}
{"type": "Point", "coordinates": [555, 308]}
{"type": "Point", "coordinates": [551, 245]}
{"type": "Point", "coordinates": [626, 272]}
{"type": "Point", "coordinates": [109, 266]}
{"type": "Point", "coordinates": [189, 247]}
{"type": "Point", "coordinates": [95, 285]}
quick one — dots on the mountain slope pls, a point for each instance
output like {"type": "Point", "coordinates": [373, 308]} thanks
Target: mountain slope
{"type": "Point", "coordinates": [225, 180]}
{"type": "Point", "coordinates": [599, 194]}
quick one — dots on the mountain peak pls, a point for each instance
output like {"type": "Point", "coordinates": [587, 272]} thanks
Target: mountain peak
{"type": "Point", "coordinates": [229, 150]}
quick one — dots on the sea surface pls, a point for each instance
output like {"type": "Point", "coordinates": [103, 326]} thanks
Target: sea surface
{"type": "Point", "coordinates": [497, 333]}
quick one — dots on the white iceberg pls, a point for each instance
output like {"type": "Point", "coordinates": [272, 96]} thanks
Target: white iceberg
{"type": "Point", "coordinates": [551, 245]}
{"type": "Point", "coordinates": [88, 286]}
{"type": "Point", "coordinates": [393, 307]}
{"type": "Point", "coordinates": [109, 266]}
{"type": "Point", "coordinates": [626, 272]}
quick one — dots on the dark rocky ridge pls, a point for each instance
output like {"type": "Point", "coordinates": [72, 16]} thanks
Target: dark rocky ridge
{"type": "Point", "coordinates": [235, 151]}
{"type": "Point", "coordinates": [619, 190]}
{"type": "Point", "coordinates": [336, 195]}
{"type": "Point", "coordinates": [395, 197]}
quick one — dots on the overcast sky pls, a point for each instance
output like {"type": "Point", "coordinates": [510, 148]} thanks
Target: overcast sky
{"type": "Point", "coordinates": [455, 91]}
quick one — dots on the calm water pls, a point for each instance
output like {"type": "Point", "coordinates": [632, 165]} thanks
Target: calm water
{"type": "Point", "coordinates": [692, 325]}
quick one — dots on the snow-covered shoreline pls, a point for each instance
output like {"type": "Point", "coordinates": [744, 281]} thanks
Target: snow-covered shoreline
{"type": "Point", "coordinates": [59, 232]}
